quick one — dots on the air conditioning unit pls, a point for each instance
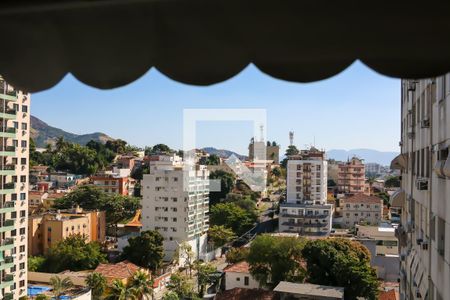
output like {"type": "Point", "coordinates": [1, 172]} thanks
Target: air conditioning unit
{"type": "Point", "coordinates": [425, 123]}
{"type": "Point", "coordinates": [422, 184]}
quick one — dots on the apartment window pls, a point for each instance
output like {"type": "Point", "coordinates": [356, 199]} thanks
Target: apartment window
{"type": "Point", "coordinates": [14, 232]}
{"type": "Point", "coordinates": [22, 214]}
{"type": "Point", "coordinates": [238, 279]}
{"type": "Point", "coordinates": [24, 126]}
{"type": "Point", "coordinates": [13, 215]}
{"type": "Point", "coordinates": [22, 266]}
{"type": "Point", "coordinates": [16, 107]}
{"type": "Point", "coordinates": [175, 179]}
{"type": "Point", "coordinates": [106, 182]}
{"type": "Point", "coordinates": [23, 161]}
{"type": "Point", "coordinates": [174, 219]}
{"type": "Point", "coordinates": [23, 196]}
{"type": "Point", "coordinates": [347, 205]}
{"type": "Point", "coordinates": [441, 237]}
{"type": "Point", "coordinates": [23, 178]}
{"type": "Point", "coordinates": [174, 199]}
{"type": "Point", "coordinates": [14, 197]}
{"type": "Point", "coordinates": [22, 283]}
{"type": "Point", "coordinates": [113, 190]}
{"type": "Point", "coordinates": [16, 125]}
{"type": "Point", "coordinates": [22, 231]}
{"type": "Point", "coordinates": [174, 209]}
{"type": "Point", "coordinates": [15, 143]}
{"type": "Point", "coordinates": [22, 248]}
{"type": "Point", "coordinates": [24, 108]}
{"type": "Point", "coordinates": [49, 229]}
{"type": "Point", "coordinates": [246, 280]}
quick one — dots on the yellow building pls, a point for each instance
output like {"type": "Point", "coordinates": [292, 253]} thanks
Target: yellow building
{"type": "Point", "coordinates": [49, 228]}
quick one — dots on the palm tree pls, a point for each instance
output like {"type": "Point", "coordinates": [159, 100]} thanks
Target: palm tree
{"type": "Point", "coordinates": [60, 286]}
{"type": "Point", "coordinates": [97, 283]}
{"type": "Point", "coordinates": [142, 285]}
{"type": "Point", "coordinates": [371, 181]}
{"type": "Point", "coordinates": [119, 291]}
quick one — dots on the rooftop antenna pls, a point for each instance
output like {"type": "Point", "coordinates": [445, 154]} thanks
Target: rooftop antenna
{"type": "Point", "coordinates": [291, 138]}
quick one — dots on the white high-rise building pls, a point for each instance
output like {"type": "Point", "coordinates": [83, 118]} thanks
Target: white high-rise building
{"type": "Point", "coordinates": [424, 198]}
{"type": "Point", "coordinates": [180, 215]}
{"type": "Point", "coordinates": [306, 210]}
{"type": "Point", "coordinates": [14, 143]}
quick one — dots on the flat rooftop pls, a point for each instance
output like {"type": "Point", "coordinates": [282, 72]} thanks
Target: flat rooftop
{"type": "Point", "coordinates": [307, 289]}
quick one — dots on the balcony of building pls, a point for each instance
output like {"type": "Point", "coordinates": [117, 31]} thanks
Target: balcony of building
{"type": "Point", "coordinates": [6, 281]}
{"type": "Point", "coordinates": [7, 207]}
{"type": "Point", "coordinates": [319, 225]}
{"type": "Point", "coordinates": [7, 188]}
{"type": "Point", "coordinates": [7, 225]}
{"type": "Point", "coordinates": [7, 169]}
{"type": "Point", "coordinates": [7, 95]}
{"type": "Point", "coordinates": [7, 244]}
{"type": "Point", "coordinates": [6, 262]}
{"type": "Point", "coordinates": [7, 113]}
{"type": "Point", "coordinates": [8, 296]}
{"type": "Point", "coordinates": [7, 151]}
{"type": "Point", "coordinates": [8, 132]}
{"type": "Point", "coordinates": [322, 216]}
{"type": "Point", "coordinates": [292, 224]}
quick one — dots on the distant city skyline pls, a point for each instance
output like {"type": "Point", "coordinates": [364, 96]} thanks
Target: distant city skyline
{"type": "Point", "coordinates": [357, 108]}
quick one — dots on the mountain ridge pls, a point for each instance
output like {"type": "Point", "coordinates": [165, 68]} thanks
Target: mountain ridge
{"type": "Point", "coordinates": [44, 134]}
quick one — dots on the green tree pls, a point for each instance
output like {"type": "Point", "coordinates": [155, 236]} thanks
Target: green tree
{"type": "Point", "coordinates": [187, 256]}
{"type": "Point", "coordinates": [141, 285]}
{"type": "Point", "coordinates": [341, 262]}
{"type": "Point", "coordinates": [97, 283]}
{"type": "Point", "coordinates": [60, 286]}
{"type": "Point", "coordinates": [86, 196]}
{"type": "Point", "coordinates": [232, 216]}
{"type": "Point", "coordinates": [42, 297]}
{"type": "Point", "coordinates": [73, 253]}
{"type": "Point", "coordinates": [36, 263]}
{"type": "Point", "coordinates": [235, 255]}
{"type": "Point", "coordinates": [331, 182]}
{"type": "Point", "coordinates": [206, 275]}
{"type": "Point", "coordinates": [392, 181]}
{"type": "Point", "coordinates": [291, 150]}
{"type": "Point", "coordinates": [276, 172]}
{"type": "Point", "coordinates": [275, 259]}
{"type": "Point", "coordinates": [170, 296]}
{"type": "Point", "coordinates": [119, 291]}
{"type": "Point", "coordinates": [220, 235]}
{"type": "Point", "coordinates": [181, 286]}
{"type": "Point", "coordinates": [213, 159]}
{"type": "Point", "coordinates": [227, 181]}
{"type": "Point", "coordinates": [145, 250]}
{"type": "Point", "coordinates": [117, 146]}
{"type": "Point", "coordinates": [161, 148]}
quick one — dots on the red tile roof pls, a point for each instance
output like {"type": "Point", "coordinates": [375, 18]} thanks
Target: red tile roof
{"type": "Point", "coordinates": [389, 295]}
{"type": "Point", "coordinates": [121, 270]}
{"type": "Point", "coordinates": [245, 294]}
{"type": "Point", "coordinates": [240, 267]}
{"type": "Point", "coordinates": [361, 198]}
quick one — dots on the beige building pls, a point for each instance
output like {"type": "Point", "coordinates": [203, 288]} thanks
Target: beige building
{"type": "Point", "coordinates": [14, 143]}
{"type": "Point", "coordinates": [361, 209]}
{"type": "Point", "coordinates": [238, 276]}
{"type": "Point", "coordinates": [176, 203]}
{"type": "Point", "coordinates": [351, 177]}
{"type": "Point", "coordinates": [49, 228]}
{"type": "Point", "coordinates": [305, 210]}
{"type": "Point", "coordinates": [424, 201]}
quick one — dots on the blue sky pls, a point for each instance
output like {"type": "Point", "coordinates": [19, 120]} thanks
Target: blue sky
{"type": "Point", "coordinates": [358, 108]}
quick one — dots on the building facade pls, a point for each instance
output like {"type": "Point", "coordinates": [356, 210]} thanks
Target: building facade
{"type": "Point", "coordinates": [14, 153]}
{"type": "Point", "coordinates": [176, 203]}
{"type": "Point", "coordinates": [256, 151]}
{"type": "Point", "coordinates": [114, 183]}
{"type": "Point", "coordinates": [424, 201]}
{"type": "Point", "coordinates": [306, 210]}
{"type": "Point", "coordinates": [52, 227]}
{"type": "Point", "coordinates": [351, 176]}
{"type": "Point", "coordinates": [238, 276]}
{"type": "Point", "coordinates": [361, 209]}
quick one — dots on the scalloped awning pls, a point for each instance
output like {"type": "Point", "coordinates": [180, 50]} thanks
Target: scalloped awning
{"type": "Point", "coordinates": [110, 43]}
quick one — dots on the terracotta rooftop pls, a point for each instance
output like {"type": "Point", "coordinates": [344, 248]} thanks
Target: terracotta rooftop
{"type": "Point", "coordinates": [121, 270]}
{"type": "Point", "coordinates": [389, 295]}
{"type": "Point", "coordinates": [361, 198]}
{"type": "Point", "coordinates": [245, 294]}
{"type": "Point", "coordinates": [240, 267]}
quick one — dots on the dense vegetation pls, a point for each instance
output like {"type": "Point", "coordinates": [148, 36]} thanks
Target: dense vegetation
{"type": "Point", "coordinates": [333, 262]}
{"type": "Point", "coordinates": [145, 250]}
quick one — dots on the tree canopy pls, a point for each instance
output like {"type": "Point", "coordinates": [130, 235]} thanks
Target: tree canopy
{"type": "Point", "coordinates": [220, 235]}
{"type": "Point", "coordinates": [226, 185]}
{"type": "Point", "coordinates": [73, 253]}
{"type": "Point", "coordinates": [274, 259]}
{"type": "Point", "coordinates": [341, 262]}
{"type": "Point", "coordinates": [145, 250]}
{"type": "Point", "coordinates": [392, 181]}
{"type": "Point", "coordinates": [230, 215]}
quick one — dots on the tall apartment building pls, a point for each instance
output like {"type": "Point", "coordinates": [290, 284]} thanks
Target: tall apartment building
{"type": "Point", "coordinates": [351, 176]}
{"type": "Point", "coordinates": [176, 203]}
{"type": "Point", "coordinates": [361, 209]}
{"type": "Point", "coordinates": [424, 198]}
{"type": "Point", "coordinates": [306, 210]}
{"type": "Point", "coordinates": [14, 140]}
